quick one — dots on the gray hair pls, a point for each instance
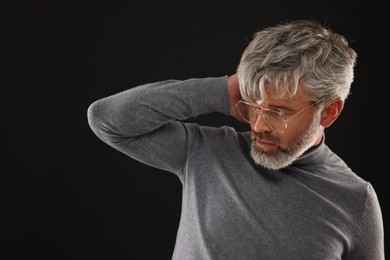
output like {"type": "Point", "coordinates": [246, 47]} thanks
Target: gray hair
{"type": "Point", "coordinates": [298, 51]}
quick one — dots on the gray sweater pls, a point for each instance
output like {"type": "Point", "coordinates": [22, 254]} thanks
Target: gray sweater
{"type": "Point", "coordinates": [232, 208]}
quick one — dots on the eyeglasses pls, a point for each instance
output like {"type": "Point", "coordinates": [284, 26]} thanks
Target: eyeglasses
{"type": "Point", "coordinates": [272, 117]}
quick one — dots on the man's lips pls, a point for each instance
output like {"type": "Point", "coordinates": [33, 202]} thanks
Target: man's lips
{"type": "Point", "coordinates": [265, 143]}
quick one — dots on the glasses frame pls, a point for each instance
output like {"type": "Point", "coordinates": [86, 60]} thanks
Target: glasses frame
{"type": "Point", "coordinates": [259, 110]}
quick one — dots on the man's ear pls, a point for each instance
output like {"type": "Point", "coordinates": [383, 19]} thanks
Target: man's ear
{"type": "Point", "coordinates": [331, 112]}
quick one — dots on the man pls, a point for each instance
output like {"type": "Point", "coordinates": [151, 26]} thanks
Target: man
{"type": "Point", "coordinates": [275, 192]}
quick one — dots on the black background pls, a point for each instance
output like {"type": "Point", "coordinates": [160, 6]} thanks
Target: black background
{"type": "Point", "coordinates": [67, 195]}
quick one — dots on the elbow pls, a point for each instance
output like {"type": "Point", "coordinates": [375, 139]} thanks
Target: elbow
{"type": "Point", "coordinates": [98, 120]}
{"type": "Point", "coordinates": [94, 120]}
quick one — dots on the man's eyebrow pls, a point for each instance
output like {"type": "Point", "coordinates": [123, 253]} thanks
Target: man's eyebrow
{"type": "Point", "coordinates": [281, 107]}
{"type": "Point", "coordinates": [277, 106]}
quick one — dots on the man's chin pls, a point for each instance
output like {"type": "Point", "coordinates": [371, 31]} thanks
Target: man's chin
{"type": "Point", "coordinates": [273, 159]}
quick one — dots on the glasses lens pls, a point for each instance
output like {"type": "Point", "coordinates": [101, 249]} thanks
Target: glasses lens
{"type": "Point", "coordinates": [274, 120]}
{"type": "Point", "coordinates": [243, 110]}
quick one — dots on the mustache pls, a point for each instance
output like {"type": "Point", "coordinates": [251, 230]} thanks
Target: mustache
{"type": "Point", "coordinates": [265, 137]}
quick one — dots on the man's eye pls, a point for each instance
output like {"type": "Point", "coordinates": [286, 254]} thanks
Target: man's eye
{"type": "Point", "coordinates": [280, 111]}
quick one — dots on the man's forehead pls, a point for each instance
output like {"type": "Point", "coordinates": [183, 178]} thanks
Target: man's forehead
{"type": "Point", "coordinates": [287, 99]}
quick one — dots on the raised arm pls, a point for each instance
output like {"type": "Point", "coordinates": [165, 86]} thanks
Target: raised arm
{"type": "Point", "coordinates": [144, 122]}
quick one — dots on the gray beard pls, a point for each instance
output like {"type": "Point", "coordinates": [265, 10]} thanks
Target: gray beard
{"type": "Point", "coordinates": [283, 157]}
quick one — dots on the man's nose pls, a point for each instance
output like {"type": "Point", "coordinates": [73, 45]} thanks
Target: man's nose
{"type": "Point", "coordinates": [260, 125]}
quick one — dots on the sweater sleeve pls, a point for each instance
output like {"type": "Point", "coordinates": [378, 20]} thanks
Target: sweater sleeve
{"type": "Point", "coordinates": [145, 122]}
{"type": "Point", "coordinates": [370, 238]}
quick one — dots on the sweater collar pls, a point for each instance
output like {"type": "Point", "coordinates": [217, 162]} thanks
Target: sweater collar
{"type": "Point", "coordinates": [314, 155]}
